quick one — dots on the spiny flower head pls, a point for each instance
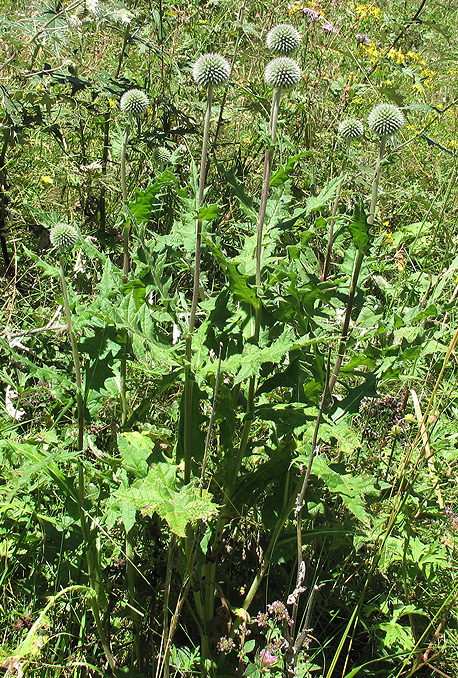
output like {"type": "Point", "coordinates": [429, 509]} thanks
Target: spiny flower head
{"type": "Point", "coordinates": [282, 72]}
{"type": "Point", "coordinates": [385, 119]}
{"type": "Point", "coordinates": [63, 237]}
{"type": "Point", "coordinates": [351, 128]}
{"type": "Point", "coordinates": [162, 155]}
{"type": "Point", "coordinates": [283, 39]}
{"type": "Point", "coordinates": [211, 69]}
{"type": "Point", "coordinates": [134, 102]}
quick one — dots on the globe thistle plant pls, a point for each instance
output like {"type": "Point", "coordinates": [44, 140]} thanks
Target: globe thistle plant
{"type": "Point", "coordinates": [280, 74]}
{"type": "Point", "coordinates": [162, 155]}
{"type": "Point", "coordinates": [63, 237]}
{"type": "Point", "coordinates": [349, 129]}
{"type": "Point", "coordinates": [385, 120]}
{"type": "Point", "coordinates": [283, 73]}
{"type": "Point", "coordinates": [283, 39]}
{"type": "Point", "coordinates": [134, 103]}
{"type": "Point", "coordinates": [209, 71]}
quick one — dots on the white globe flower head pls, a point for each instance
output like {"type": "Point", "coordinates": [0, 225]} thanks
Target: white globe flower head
{"type": "Point", "coordinates": [134, 102]}
{"type": "Point", "coordinates": [385, 119]}
{"type": "Point", "coordinates": [63, 237]}
{"type": "Point", "coordinates": [162, 155]}
{"type": "Point", "coordinates": [211, 70]}
{"type": "Point", "coordinates": [351, 128]}
{"type": "Point", "coordinates": [283, 72]}
{"type": "Point", "coordinates": [283, 39]}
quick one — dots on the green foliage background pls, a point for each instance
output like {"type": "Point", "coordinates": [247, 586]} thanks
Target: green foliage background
{"type": "Point", "coordinates": [107, 551]}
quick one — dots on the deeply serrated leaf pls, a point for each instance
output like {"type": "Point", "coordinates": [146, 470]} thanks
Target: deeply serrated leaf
{"type": "Point", "coordinates": [160, 493]}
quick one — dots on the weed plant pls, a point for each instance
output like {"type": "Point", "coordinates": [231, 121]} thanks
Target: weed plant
{"type": "Point", "coordinates": [229, 396]}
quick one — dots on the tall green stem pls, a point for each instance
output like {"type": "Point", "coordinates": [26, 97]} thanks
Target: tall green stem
{"type": "Point", "coordinates": [259, 234]}
{"type": "Point", "coordinates": [189, 382]}
{"type": "Point", "coordinates": [126, 261]}
{"type": "Point", "coordinates": [93, 601]}
{"type": "Point", "coordinates": [356, 270]}
{"type": "Point", "coordinates": [75, 354]}
{"type": "Point", "coordinates": [335, 207]}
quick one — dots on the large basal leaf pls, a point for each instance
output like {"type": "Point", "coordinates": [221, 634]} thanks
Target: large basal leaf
{"type": "Point", "coordinates": [159, 492]}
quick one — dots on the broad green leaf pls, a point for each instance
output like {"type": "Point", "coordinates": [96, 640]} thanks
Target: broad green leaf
{"type": "Point", "coordinates": [159, 492]}
{"type": "Point", "coordinates": [135, 448]}
{"type": "Point", "coordinates": [360, 230]}
{"type": "Point", "coordinates": [350, 488]}
{"type": "Point", "coordinates": [317, 202]}
{"type": "Point", "coordinates": [208, 213]}
{"type": "Point", "coordinates": [238, 282]}
{"type": "Point", "coordinates": [245, 202]}
{"type": "Point", "coordinates": [282, 174]}
{"type": "Point", "coordinates": [48, 269]}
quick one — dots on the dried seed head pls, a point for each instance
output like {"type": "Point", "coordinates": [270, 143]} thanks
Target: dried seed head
{"type": "Point", "coordinates": [211, 69]}
{"type": "Point", "coordinates": [283, 72]}
{"type": "Point", "coordinates": [283, 39]}
{"type": "Point", "coordinates": [162, 155]}
{"type": "Point", "coordinates": [385, 119]}
{"type": "Point", "coordinates": [134, 102]}
{"type": "Point", "coordinates": [63, 237]}
{"type": "Point", "coordinates": [351, 128]}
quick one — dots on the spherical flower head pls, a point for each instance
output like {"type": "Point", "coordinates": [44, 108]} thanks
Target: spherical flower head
{"type": "Point", "coordinates": [283, 39]}
{"type": "Point", "coordinates": [63, 237]}
{"type": "Point", "coordinates": [162, 155]}
{"type": "Point", "coordinates": [283, 72]}
{"type": "Point", "coordinates": [211, 69]}
{"type": "Point", "coordinates": [134, 102]}
{"type": "Point", "coordinates": [351, 128]}
{"type": "Point", "coordinates": [385, 119]}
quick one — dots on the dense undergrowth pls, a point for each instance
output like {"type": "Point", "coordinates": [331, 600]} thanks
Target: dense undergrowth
{"type": "Point", "coordinates": [224, 452]}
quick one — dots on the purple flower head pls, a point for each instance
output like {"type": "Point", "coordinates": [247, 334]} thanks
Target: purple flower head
{"type": "Point", "coordinates": [311, 14]}
{"type": "Point", "coordinates": [329, 28]}
{"type": "Point", "coordinates": [225, 644]}
{"type": "Point", "coordinates": [262, 619]}
{"type": "Point", "coordinates": [267, 659]}
{"type": "Point", "coordinates": [278, 611]}
{"type": "Point", "coordinates": [362, 39]}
